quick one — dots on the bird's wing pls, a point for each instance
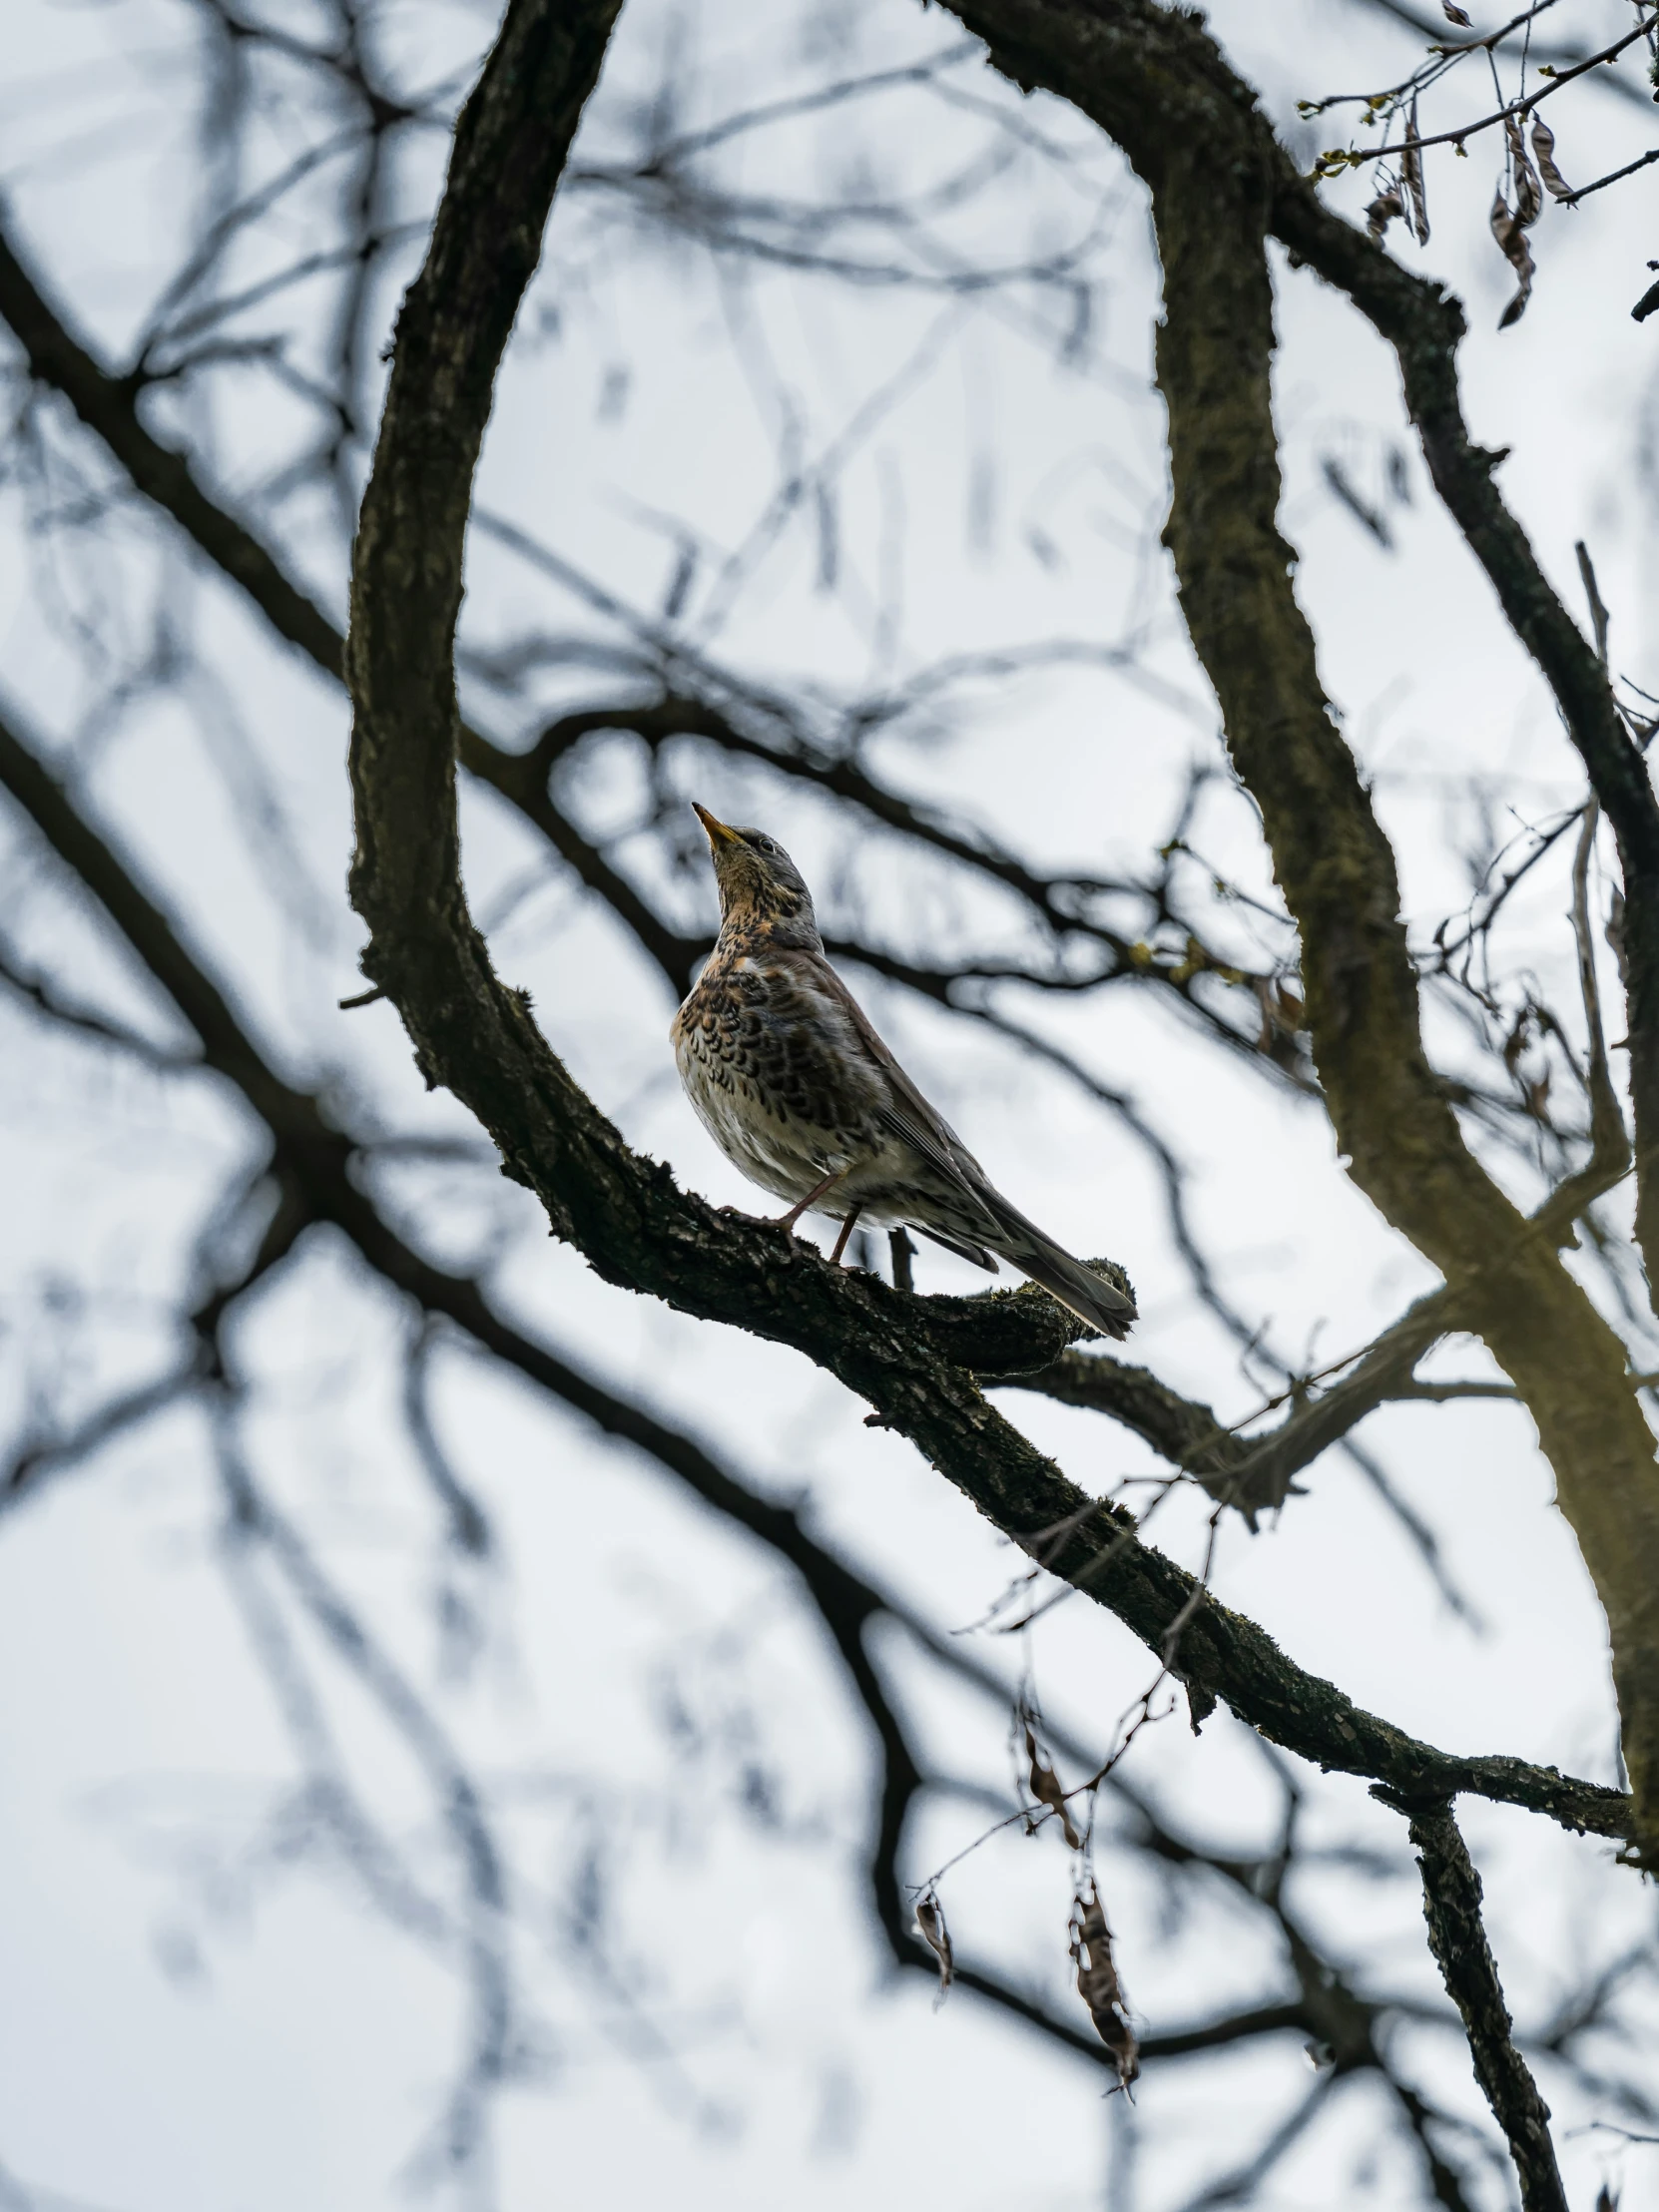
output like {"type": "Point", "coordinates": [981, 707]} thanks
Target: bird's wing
{"type": "Point", "coordinates": [975, 1255]}
{"type": "Point", "coordinates": [1105, 1304]}
{"type": "Point", "coordinates": [904, 1112]}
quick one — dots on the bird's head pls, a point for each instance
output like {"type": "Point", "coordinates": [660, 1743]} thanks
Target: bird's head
{"type": "Point", "coordinates": [759, 885]}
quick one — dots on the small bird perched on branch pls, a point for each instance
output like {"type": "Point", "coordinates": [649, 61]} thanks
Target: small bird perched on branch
{"type": "Point", "coordinates": [796, 1089]}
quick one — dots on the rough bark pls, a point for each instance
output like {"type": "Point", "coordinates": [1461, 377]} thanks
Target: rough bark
{"type": "Point", "coordinates": [1458, 1938]}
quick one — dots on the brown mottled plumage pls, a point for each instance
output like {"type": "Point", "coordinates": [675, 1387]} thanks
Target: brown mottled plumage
{"type": "Point", "coordinates": [798, 1090]}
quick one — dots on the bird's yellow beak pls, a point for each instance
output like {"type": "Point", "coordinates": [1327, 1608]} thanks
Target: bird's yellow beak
{"type": "Point", "coordinates": [720, 833]}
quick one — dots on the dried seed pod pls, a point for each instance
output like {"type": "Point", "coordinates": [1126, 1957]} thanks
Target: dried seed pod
{"type": "Point", "coordinates": [1383, 212]}
{"type": "Point", "coordinates": [1410, 176]}
{"type": "Point", "coordinates": [934, 1932]}
{"type": "Point", "coordinates": [1457, 15]}
{"type": "Point", "coordinates": [1045, 1788]}
{"type": "Point", "coordinates": [1512, 239]}
{"type": "Point", "coordinates": [1544, 153]}
{"type": "Point", "coordinates": [1529, 199]}
{"type": "Point", "coordinates": [1098, 1984]}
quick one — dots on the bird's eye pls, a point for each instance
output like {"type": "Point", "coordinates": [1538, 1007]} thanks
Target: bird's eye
{"type": "Point", "coordinates": [765, 845]}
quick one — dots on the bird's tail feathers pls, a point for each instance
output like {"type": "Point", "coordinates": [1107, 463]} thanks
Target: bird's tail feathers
{"type": "Point", "coordinates": [1103, 1297]}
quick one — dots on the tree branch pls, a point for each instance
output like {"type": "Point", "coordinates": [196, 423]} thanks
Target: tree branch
{"type": "Point", "coordinates": [1458, 1938]}
{"type": "Point", "coordinates": [1425, 327]}
{"type": "Point", "coordinates": [1253, 1473]}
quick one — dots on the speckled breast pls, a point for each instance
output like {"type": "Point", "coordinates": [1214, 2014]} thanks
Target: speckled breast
{"type": "Point", "coordinates": [769, 1074]}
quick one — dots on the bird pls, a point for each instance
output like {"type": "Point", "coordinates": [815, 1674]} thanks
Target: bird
{"type": "Point", "coordinates": [787, 1073]}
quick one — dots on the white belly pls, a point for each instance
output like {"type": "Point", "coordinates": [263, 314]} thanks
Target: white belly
{"type": "Point", "coordinates": [783, 1156]}
{"type": "Point", "coordinates": [789, 1157]}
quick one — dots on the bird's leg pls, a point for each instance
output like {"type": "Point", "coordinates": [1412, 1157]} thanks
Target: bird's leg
{"type": "Point", "coordinates": [788, 1220]}
{"type": "Point", "coordinates": [840, 1241]}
